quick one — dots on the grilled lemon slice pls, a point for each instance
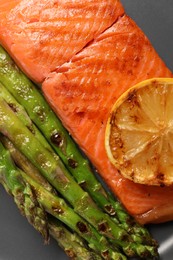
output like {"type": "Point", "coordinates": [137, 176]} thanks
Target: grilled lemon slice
{"type": "Point", "coordinates": [139, 133]}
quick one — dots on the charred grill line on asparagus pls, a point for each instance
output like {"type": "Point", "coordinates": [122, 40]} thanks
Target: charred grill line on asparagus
{"type": "Point", "coordinates": [41, 114]}
{"type": "Point", "coordinates": [58, 176]}
{"type": "Point", "coordinates": [13, 178]}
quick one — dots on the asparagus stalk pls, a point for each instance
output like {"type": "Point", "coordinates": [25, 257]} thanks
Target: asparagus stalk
{"type": "Point", "coordinates": [41, 114]}
{"type": "Point", "coordinates": [131, 226]}
{"type": "Point", "coordinates": [22, 114]}
{"type": "Point", "coordinates": [22, 162]}
{"type": "Point", "coordinates": [71, 243]}
{"type": "Point", "coordinates": [58, 176]}
{"type": "Point", "coordinates": [23, 194]}
{"type": "Point", "coordinates": [13, 178]}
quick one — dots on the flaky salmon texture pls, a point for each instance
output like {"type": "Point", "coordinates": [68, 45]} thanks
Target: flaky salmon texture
{"type": "Point", "coordinates": [85, 54]}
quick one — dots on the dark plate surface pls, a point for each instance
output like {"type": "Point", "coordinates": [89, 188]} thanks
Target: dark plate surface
{"type": "Point", "coordinates": [18, 240]}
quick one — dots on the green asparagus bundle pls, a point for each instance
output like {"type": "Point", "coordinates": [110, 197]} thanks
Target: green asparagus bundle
{"type": "Point", "coordinates": [15, 184]}
{"type": "Point", "coordinates": [15, 181]}
{"type": "Point", "coordinates": [71, 243]}
{"type": "Point", "coordinates": [55, 172]}
{"type": "Point", "coordinates": [27, 167]}
{"type": "Point", "coordinates": [21, 113]}
{"type": "Point", "coordinates": [51, 127]}
{"type": "Point", "coordinates": [24, 164]}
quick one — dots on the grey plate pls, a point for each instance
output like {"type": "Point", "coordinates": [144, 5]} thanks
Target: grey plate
{"type": "Point", "coordinates": [18, 240]}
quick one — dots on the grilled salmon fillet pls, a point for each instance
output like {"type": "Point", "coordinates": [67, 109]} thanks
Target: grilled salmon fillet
{"type": "Point", "coordinates": [85, 55]}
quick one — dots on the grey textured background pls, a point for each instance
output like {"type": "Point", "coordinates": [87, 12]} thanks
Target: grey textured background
{"type": "Point", "coordinates": [18, 240]}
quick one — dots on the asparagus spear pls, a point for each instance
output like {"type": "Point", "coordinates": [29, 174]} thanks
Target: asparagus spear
{"type": "Point", "coordinates": [71, 243]}
{"type": "Point", "coordinates": [22, 114]}
{"type": "Point", "coordinates": [13, 178]}
{"type": "Point", "coordinates": [22, 162]}
{"type": "Point", "coordinates": [58, 176]}
{"type": "Point", "coordinates": [27, 94]}
{"type": "Point", "coordinates": [23, 194]}
{"type": "Point", "coordinates": [128, 223]}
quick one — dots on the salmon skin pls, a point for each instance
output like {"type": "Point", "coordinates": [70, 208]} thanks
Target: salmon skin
{"type": "Point", "coordinates": [86, 54]}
